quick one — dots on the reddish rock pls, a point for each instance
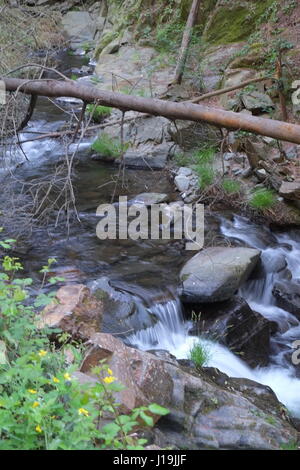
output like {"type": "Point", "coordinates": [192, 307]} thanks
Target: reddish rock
{"type": "Point", "coordinates": [141, 373]}
{"type": "Point", "coordinates": [75, 310]}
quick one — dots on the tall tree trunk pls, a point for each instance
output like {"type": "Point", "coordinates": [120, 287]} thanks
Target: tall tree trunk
{"type": "Point", "coordinates": [186, 39]}
{"type": "Point", "coordinates": [282, 100]}
{"type": "Point", "coordinates": [185, 111]}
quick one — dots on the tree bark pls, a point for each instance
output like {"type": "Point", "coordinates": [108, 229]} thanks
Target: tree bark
{"type": "Point", "coordinates": [186, 39]}
{"type": "Point", "coordinates": [282, 100]}
{"type": "Point", "coordinates": [228, 89]}
{"type": "Point", "coordinates": [185, 111]}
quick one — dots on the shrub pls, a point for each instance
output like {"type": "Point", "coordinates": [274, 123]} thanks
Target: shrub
{"type": "Point", "coordinates": [231, 186]}
{"type": "Point", "coordinates": [200, 354]}
{"type": "Point", "coordinates": [98, 112]}
{"type": "Point", "coordinates": [42, 406]}
{"type": "Point", "coordinates": [107, 146]}
{"type": "Point", "coordinates": [262, 199]}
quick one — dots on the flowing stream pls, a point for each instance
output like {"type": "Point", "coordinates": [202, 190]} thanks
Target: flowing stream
{"type": "Point", "coordinates": [172, 335]}
{"type": "Point", "coordinates": [153, 266]}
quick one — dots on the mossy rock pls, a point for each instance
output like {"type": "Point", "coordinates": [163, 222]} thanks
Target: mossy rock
{"type": "Point", "coordinates": [104, 41]}
{"type": "Point", "coordinates": [234, 22]}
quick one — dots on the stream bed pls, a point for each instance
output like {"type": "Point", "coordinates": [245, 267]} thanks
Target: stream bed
{"type": "Point", "coordinates": [152, 267]}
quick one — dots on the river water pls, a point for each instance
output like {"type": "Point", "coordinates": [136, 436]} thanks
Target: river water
{"type": "Point", "coordinates": [152, 266]}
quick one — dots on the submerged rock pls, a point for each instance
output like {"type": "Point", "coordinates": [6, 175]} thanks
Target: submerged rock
{"type": "Point", "coordinates": [149, 198]}
{"type": "Point", "coordinates": [215, 274]}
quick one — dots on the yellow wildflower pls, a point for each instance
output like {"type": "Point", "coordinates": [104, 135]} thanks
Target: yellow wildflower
{"type": "Point", "coordinates": [110, 371]}
{"type": "Point", "coordinates": [38, 428]}
{"type": "Point", "coordinates": [55, 380]}
{"type": "Point", "coordinates": [109, 380]}
{"type": "Point", "coordinates": [42, 353]}
{"type": "Point", "coordinates": [35, 404]}
{"type": "Point", "coordinates": [30, 390]}
{"type": "Point", "coordinates": [83, 411]}
{"type": "Point", "coordinates": [67, 376]}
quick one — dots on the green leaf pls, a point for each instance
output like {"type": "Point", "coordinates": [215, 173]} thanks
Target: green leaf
{"type": "Point", "coordinates": [158, 410]}
{"type": "Point", "coordinates": [147, 419]}
{"type": "Point", "coordinates": [111, 429]}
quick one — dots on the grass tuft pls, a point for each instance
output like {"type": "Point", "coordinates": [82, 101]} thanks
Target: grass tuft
{"type": "Point", "coordinates": [107, 146]}
{"type": "Point", "coordinates": [200, 354]}
{"type": "Point", "coordinates": [262, 199]}
{"type": "Point", "coordinates": [231, 186]}
{"type": "Point", "coordinates": [98, 112]}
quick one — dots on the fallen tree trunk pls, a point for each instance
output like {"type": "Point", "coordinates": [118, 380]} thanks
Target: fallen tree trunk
{"type": "Point", "coordinates": [184, 111]}
{"type": "Point", "coordinates": [227, 90]}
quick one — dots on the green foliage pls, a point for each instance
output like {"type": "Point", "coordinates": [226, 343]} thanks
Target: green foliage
{"type": "Point", "coordinates": [231, 186]}
{"type": "Point", "coordinates": [262, 199]}
{"type": "Point", "coordinates": [206, 175]}
{"type": "Point", "coordinates": [200, 354]}
{"type": "Point", "coordinates": [98, 112]}
{"type": "Point", "coordinates": [168, 37]}
{"type": "Point", "coordinates": [42, 405]}
{"type": "Point", "coordinates": [181, 159]}
{"type": "Point", "coordinates": [108, 146]}
{"type": "Point", "coordinates": [204, 155]}
{"type": "Point", "coordinates": [292, 445]}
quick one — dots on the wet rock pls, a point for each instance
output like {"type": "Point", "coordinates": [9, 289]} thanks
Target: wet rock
{"type": "Point", "coordinates": [69, 274]}
{"type": "Point", "coordinates": [75, 310]}
{"type": "Point", "coordinates": [215, 274]}
{"type": "Point", "coordinates": [273, 262]}
{"type": "Point", "coordinates": [290, 190]}
{"type": "Point", "coordinates": [257, 102]}
{"type": "Point", "coordinates": [207, 408]}
{"type": "Point", "coordinates": [149, 198]}
{"type": "Point", "coordinates": [233, 323]}
{"type": "Point", "coordinates": [122, 314]}
{"type": "Point", "coordinates": [287, 296]}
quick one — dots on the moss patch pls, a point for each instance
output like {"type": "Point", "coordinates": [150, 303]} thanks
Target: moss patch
{"type": "Point", "coordinates": [233, 23]}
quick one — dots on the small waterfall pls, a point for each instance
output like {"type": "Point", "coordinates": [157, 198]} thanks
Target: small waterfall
{"type": "Point", "coordinates": [169, 333]}
{"type": "Point", "coordinates": [171, 330]}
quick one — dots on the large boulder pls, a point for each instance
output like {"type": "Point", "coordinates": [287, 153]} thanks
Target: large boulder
{"type": "Point", "coordinates": [75, 310]}
{"type": "Point", "coordinates": [233, 323]}
{"type": "Point", "coordinates": [79, 26]}
{"type": "Point", "coordinates": [141, 373]}
{"type": "Point", "coordinates": [215, 274]}
{"type": "Point", "coordinates": [207, 408]}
